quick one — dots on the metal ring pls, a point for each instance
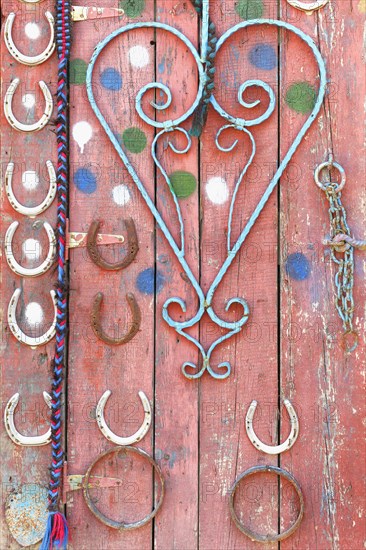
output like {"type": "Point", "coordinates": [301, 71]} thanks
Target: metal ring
{"type": "Point", "coordinates": [14, 122]}
{"type": "Point", "coordinates": [122, 526]}
{"type": "Point", "coordinates": [19, 56]}
{"type": "Point", "coordinates": [15, 436]}
{"type": "Point", "coordinates": [349, 347]}
{"type": "Point", "coordinates": [32, 341]}
{"type": "Point", "coordinates": [272, 449]}
{"type": "Point", "coordinates": [279, 472]}
{"type": "Point", "coordinates": [107, 432]}
{"type": "Point", "coordinates": [25, 271]}
{"type": "Point", "coordinates": [330, 165]}
{"type": "Point", "coordinates": [97, 326]}
{"type": "Point", "coordinates": [31, 211]}
{"type": "Point", "coordinates": [306, 6]}
{"type": "Point", "coordinates": [95, 255]}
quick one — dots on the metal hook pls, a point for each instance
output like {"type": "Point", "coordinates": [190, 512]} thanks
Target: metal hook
{"type": "Point", "coordinates": [96, 322]}
{"type": "Point", "coordinates": [272, 449]}
{"type": "Point", "coordinates": [15, 436]}
{"type": "Point", "coordinates": [31, 341]}
{"type": "Point", "coordinates": [31, 211]}
{"type": "Point", "coordinates": [25, 59]}
{"type": "Point", "coordinates": [24, 271]}
{"type": "Point", "coordinates": [107, 432]}
{"type": "Point", "coordinates": [308, 7]}
{"type": "Point", "coordinates": [36, 126]}
{"type": "Point", "coordinates": [94, 253]}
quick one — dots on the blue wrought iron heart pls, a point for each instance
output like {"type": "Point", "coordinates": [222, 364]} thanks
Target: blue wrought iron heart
{"type": "Point", "coordinates": [239, 124]}
{"type": "Point", "coordinates": [26, 512]}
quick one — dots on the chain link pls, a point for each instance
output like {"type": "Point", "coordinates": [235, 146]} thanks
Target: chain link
{"type": "Point", "coordinates": [342, 254]}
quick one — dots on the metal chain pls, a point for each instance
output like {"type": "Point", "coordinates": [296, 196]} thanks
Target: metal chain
{"type": "Point", "coordinates": [342, 246]}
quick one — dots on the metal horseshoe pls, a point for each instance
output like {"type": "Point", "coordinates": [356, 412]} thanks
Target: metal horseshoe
{"type": "Point", "coordinates": [32, 341]}
{"type": "Point", "coordinates": [36, 126]}
{"type": "Point", "coordinates": [107, 432]}
{"type": "Point", "coordinates": [96, 322]}
{"type": "Point", "coordinates": [308, 7]}
{"type": "Point", "coordinates": [19, 56]}
{"type": "Point", "coordinates": [15, 436]}
{"type": "Point", "coordinates": [31, 211]}
{"type": "Point", "coordinates": [95, 255]}
{"type": "Point", "coordinates": [24, 271]}
{"type": "Point", "coordinates": [272, 449]}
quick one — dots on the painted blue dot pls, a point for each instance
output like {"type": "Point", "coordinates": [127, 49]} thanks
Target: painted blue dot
{"type": "Point", "coordinates": [146, 281]}
{"type": "Point", "coordinates": [85, 180]}
{"type": "Point", "coordinates": [263, 56]}
{"type": "Point", "coordinates": [298, 266]}
{"type": "Point", "coordinates": [111, 79]}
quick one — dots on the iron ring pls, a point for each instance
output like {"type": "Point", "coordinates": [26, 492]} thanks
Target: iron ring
{"type": "Point", "coordinates": [279, 472]}
{"type": "Point", "coordinates": [122, 526]}
{"type": "Point", "coordinates": [330, 165]}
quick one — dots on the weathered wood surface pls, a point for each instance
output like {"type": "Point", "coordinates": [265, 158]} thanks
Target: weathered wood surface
{"type": "Point", "coordinates": [290, 346]}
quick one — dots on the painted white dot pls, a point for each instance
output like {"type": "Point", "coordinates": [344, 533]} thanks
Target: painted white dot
{"type": "Point", "coordinates": [30, 179]}
{"type": "Point", "coordinates": [34, 313]}
{"type": "Point", "coordinates": [29, 100]}
{"type": "Point", "coordinates": [217, 190]}
{"type": "Point", "coordinates": [32, 31]}
{"type": "Point", "coordinates": [82, 133]}
{"type": "Point", "coordinates": [31, 249]}
{"type": "Point", "coordinates": [121, 195]}
{"type": "Point", "coordinates": [139, 56]}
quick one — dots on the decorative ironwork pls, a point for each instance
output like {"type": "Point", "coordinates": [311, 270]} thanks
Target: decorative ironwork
{"type": "Point", "coordinates": [205, 301]}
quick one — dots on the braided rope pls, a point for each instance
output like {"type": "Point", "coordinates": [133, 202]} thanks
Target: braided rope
{"type": "Point", "coordinates": [56, 530]}
{"type": "Point", "coordinates": [200, 115]}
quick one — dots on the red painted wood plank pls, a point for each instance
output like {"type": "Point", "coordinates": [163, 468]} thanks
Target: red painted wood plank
{"type": "Point", "coordinates": [176, 435]}
{"type": "Point", "coordinates": [324, 382]}
{"type": "Point", "coordinates": [23, 369]}
{"type": "Point", "coordinates": [225, 450]}
{"type": "Point", "coordinates": [94, 366]}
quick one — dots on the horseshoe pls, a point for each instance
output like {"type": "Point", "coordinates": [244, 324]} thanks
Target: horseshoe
{"type": "Point", "coordinates": [95, 255]}
{"type": "Point", "coordinates": [308, 6]}
{"type": "Point", "coordinates": [15, 436]}
{"type": "Point", "coordinates": [19, 56]}
{"type": "Point", "coordinates": [24, 271]}
{"type": "Point", "coordinates": [36, 126]}
{"type": "Point", "coordinates": [31, 341]}
{"type": "Point", "coordinates": [107, 432]}
{"type": "Point", "coordinates": [272, 449]}
{"type": "Point", "coordinates": [96, 322]}
{"type": "Point", "coordinates": [30, 211]}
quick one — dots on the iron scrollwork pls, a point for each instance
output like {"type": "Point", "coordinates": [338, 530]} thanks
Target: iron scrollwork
{"type": "Point", "coordinates": [205, 301]}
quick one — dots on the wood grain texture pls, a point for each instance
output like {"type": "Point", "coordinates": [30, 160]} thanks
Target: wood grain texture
{"type": "Point", "coordinates": [25, 370]}
{"type": "Point", "coordinates": [290, 345]}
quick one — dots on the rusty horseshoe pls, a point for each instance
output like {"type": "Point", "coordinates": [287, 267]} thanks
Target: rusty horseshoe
{"type": "Point", "coordinates": [95, 255]}
{"type": "Point", "coordinates": [96, 322]}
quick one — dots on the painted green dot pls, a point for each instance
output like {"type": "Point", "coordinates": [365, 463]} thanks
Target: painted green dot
{"type": "Point", "coordinates": [249, 9]}
{"type": "Point", "coordinates": [132, 8]}
{"type": "Point", "coordinates": [183, 183]}
{"type": "Point", "coordinates": [301, 97]}
{"type": "Point", "coordinates": [134, 140]}
{"type": "Point", "coordinates": [78, 71]}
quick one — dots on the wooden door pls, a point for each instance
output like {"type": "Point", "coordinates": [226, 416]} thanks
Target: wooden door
{"type": "Point", "coordinates": [290, 346]}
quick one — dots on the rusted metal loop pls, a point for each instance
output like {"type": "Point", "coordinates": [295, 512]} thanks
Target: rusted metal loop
{"type": "Point", "coordinates": [121, 525]}
{"type": "Point", "coordinates": [272, 449]}
{"type": "Point", "coordinates": [117, 439]}
{"type": "Point", "coordinates": [95, 255]}
{"type": "Point", "coordinates": [342, 242]}
{"type": "Point", "coordinates": [330, 164]}
{"type": "Point", "coordinates": [349, 341]}
{"type": "Point", "coordinates": [308, 7]}
{"type": "Point", "coordinates": [281, 473]}
{"type": "Point", "coordinates": [96, 321]}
